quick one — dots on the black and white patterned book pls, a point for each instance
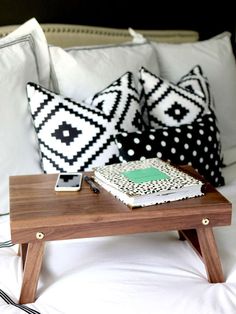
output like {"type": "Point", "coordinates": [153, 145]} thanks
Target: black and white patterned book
{"type": "Point", "coordinates": [147, 182]}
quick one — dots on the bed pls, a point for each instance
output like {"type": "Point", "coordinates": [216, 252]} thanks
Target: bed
{"type": "Point", "coordinates": [141, 273]}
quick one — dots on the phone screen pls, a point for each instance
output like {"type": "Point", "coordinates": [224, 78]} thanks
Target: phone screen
{"type": "Point", "coordinates": [68, 181]}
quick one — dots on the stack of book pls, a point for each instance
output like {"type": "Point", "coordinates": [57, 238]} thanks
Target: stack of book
{"type": "Point", "coordinates": [147, 182]}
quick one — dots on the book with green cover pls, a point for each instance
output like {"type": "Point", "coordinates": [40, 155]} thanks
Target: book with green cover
{"type": "Point", "coordinates": [147, 182]}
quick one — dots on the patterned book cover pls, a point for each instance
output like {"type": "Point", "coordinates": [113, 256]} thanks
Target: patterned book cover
{"type": "Point", "coordinates": [147, 182]}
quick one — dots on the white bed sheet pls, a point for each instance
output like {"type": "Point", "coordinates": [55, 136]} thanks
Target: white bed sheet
{"type": "Point", "coordinates": [135, 274]}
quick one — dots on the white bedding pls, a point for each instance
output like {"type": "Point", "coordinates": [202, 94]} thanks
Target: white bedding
{"type": "Point", "coordinates": [135, 274]}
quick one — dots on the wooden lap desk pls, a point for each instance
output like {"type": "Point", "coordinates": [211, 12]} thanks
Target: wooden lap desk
{"type": "Point", "coordinates": [39, 214]}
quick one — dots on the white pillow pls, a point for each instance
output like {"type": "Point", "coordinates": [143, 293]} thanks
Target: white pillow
{"type": "Point", "coordinates": [80, 72]}
{"type": "Point", "coordinates": [216, 58]}
{"type": "Point", "coordinates": [24, 57]}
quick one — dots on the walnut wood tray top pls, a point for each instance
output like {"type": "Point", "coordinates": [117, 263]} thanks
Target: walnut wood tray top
{"type": "Point", "coordinates": [39, 214]}
{"type": "Point", "coordinates": [36, 207]}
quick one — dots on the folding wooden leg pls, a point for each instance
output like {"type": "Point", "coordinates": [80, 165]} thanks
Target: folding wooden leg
{"type": "Point", "coordinates": [203, 242]}
{"type": "Point", "coordinates": [210, 254]}
{"type": "Point", "coordinates": [32, 267]}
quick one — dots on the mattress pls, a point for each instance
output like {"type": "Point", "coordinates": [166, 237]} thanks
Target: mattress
{"type": "Point", "coordinates": [144, 273]}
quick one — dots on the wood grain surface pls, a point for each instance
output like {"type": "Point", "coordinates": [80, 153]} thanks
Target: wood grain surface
{"type": "Point", "coordinates": [39, 214]}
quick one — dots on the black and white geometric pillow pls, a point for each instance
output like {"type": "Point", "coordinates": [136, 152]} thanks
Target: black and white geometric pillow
{"type": "Point", "coordinates": [196, 144]}
{"type": "Point", "coordinates": [196, 82]}
{"type": "Point", "coordinates": [109, 100]}
{"type": "Point", "coordinates": [169, 104]}
{"type": "Point", "coordinates": [77, 136]}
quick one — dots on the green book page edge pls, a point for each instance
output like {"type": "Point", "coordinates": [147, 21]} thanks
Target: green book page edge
{"type": "Point", "coordinates": [145, 175]}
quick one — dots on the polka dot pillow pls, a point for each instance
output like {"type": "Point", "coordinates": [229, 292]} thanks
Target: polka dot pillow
{"type": "Point", "coordinates": [169, 104]}
{"type": "Point", "coordinates": [196, 144]}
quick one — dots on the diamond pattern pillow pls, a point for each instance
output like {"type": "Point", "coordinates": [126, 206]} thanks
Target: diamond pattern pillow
{"type": "Point", "coordinates": [196, 144]}
{"type": "Point", "coordinates": [168, 104]}
{"type": "Point", "coordinates": [78, 136]}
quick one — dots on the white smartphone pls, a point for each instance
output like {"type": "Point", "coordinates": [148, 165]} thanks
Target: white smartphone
{"type": "Point", "coordinates": [69, 181]}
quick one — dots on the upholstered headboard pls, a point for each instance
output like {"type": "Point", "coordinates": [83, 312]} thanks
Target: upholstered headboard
{"type": "Point", "coordinates": [66, 35]}
{"type": "Point", "coordinates": [175, 15]}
